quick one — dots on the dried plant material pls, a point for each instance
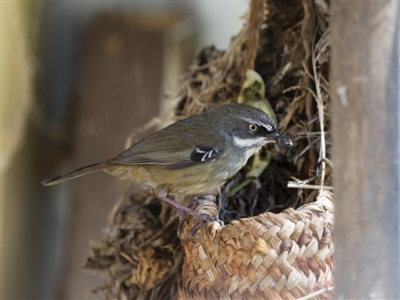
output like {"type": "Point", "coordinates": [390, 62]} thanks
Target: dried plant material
{"type": "Point", "coordinates": [215, 77]}
{"type": "Point", "coordinates": [317, 293]}
{"type": "Point", "coordinates": [274, 245]}
{"type": "Point", "coordinates": [151, 269]}
{"type": "Point", "coordinates": [140, 251]}
{"type": "Point", "coordinates": [270, 256]}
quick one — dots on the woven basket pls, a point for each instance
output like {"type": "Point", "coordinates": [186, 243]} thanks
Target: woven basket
{"type": "Point", "coordinates": [270, 256]}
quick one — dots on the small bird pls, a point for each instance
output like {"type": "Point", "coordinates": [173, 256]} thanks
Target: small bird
{"type": "Point", "coordinates": [192, 156]}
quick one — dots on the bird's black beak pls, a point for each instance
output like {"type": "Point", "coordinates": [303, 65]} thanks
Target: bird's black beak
{"type": "Point", "coordinates": [279, 139]}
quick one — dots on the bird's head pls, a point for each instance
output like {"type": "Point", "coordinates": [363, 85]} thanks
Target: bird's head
{"type": "Point", "coordinates": [250, 127]}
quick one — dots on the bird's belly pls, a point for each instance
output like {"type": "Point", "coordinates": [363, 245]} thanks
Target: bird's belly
{"type": "Point", "coordinates": [186, 181]}
{"type": "Point", "coordinates": [192, 180]}
{"type": "Point", "coordinates": [196, 179]}
{"type": "Point", "coordinates": [202, 178]}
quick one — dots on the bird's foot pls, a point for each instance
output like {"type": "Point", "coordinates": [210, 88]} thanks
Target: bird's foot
{"type": "Point", "coordinates": [182, 211]}
{"type": "Point", "coordinates": [204, 217]}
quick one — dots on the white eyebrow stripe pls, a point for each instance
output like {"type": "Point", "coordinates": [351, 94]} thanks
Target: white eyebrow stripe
{"type": "Point", "coordinates": [267, 126]}
{"type": "Point", "coordinates": [247, 143]}
{"type": "Point", "coordinates": [252, 121]}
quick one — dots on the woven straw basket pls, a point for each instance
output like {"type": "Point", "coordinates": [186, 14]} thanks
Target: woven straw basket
{"type": "Point", "coordinates": [271, 256]}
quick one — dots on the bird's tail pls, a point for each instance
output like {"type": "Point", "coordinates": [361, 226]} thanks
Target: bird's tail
{"type": "Point", "coordinates": [77, 173]}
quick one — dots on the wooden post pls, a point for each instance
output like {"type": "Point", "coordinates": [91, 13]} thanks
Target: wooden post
{"type": "Point", "coordinates": [366, 153]}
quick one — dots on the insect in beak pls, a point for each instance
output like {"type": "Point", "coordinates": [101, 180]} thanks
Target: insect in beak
{"type": "Point", "coordinates": [279, 139]}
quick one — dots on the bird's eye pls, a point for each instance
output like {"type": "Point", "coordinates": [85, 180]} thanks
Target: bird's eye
{"type": "Point", "coordinates": [253, 127]}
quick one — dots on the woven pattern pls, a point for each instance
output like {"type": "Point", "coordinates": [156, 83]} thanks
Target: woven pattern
{"type": "Point", "coordinates": [270, 256]}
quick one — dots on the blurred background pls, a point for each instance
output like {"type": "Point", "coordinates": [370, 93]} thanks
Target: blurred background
{"type": "Point", "coordinates": [77, 78]}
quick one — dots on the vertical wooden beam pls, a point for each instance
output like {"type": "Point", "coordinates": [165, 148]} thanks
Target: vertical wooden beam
{"type": "Point", "coordinates": [366, 132]}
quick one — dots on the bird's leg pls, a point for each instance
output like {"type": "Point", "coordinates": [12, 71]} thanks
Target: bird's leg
{"type": "Point", "coordinates": [182, 211]}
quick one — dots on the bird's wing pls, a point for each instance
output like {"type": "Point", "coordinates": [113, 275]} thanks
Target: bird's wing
{"type": "Point", "coordinates": [165, 147]}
